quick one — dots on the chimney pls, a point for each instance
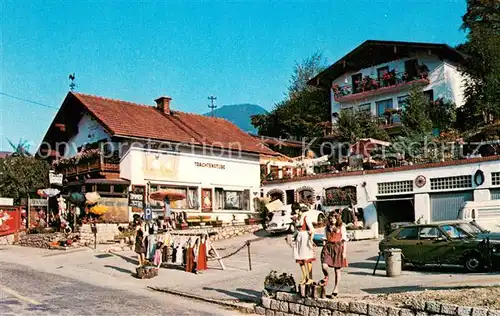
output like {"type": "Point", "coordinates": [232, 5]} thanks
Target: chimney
{"type": "Point", "coordinates": [163, 104]}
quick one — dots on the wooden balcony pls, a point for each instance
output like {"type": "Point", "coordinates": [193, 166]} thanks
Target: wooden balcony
{"type": "Point", "coordinates": [95, 165]}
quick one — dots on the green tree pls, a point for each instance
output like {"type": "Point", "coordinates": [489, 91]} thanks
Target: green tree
{"type": "Point", "coordinates": [482, 89]}
{"type": "Point", "coordinates": [303, 72]}
{"type": "Point", "coordinates": [353, 125]}
{"type": "Point", "coordinates": [19, 174]}
{"type": "Point", "coordinates": [303, 111]}
{"type": "Point", "coordinates": [442, 113]}
{"type": "Point", "coordinates": [415, 117]}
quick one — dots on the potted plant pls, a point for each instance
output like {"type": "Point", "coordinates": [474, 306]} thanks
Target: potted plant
{"type": "Point", "coordinates": [388, 114]}
{"type": "Point", "coordinates": [389, 78]}
{"type": "Point", "coordinates": [234, 222]}
{"type": "Point", "coordinates": [217, 222]}
{"type": "Point", "coordinates": [279, 283]}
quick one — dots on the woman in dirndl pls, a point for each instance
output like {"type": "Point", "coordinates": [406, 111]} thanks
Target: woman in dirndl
{"type": "Point", "coordinates": [333, 254]}
{"type": "Point", "coordinates": [303, 249]}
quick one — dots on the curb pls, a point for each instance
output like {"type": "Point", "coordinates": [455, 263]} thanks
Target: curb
{"type": "Point", "coordinates": [234, 306]}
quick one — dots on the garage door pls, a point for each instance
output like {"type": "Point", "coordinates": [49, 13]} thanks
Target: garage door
{"type": "Point", "coordinates": [446, 206]}
{"type": "Point", "coordinates": [495, 194]}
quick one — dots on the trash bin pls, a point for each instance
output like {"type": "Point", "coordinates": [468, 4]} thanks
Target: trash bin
{"type": "Point", "coordinates": [392, 262]}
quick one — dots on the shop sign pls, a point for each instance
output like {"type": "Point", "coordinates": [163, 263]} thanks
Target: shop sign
{"type": "Point", "coordinates": [55, 178]}
{"type": "Point", "coordinates": [10, 220]}
{"type": "Point", "coordinates": [210, 165]}
{"type": "Point", "coordinates": [136, 200]}
{"type": "Point", "coordinates": [7, 201]}
{"type": "Point", "coordinates": [117, 209]}
{"type": "Point", "coordinates": [161, 166]}
{"type": "Point", "coordinates": [148, 214]}
{"type": "Point", "coordinates": [38, 202]}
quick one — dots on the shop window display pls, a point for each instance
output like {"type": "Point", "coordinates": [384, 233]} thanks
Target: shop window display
{"type": "Point", "coordinates": [232, 200]}
{"type": "Point", "coordinates": [190, 202]}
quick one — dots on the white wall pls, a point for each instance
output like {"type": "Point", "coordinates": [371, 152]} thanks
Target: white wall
{"type": "Point", "coordinates": [445, 81]}
{"type": "Point", "coordinates": [89, 131]}
{"type": "Point", "coordinates": [369, 193]}
{"type": "Point", "coordinates": [456, 83]}
{"type": "Point", "coordinates": [183, 169]}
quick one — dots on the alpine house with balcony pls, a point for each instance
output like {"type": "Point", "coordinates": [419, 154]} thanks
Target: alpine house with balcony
{"type": "Point", "coordinates": [115, 148]}
{"type": "Point", "coordinates": [377, 75]}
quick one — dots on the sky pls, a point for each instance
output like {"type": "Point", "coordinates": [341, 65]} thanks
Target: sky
{"type": "Point", "coordinates": [238, 51]}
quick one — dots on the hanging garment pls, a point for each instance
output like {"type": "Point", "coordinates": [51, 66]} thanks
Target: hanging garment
{"type": "Point", "coordinates": [157, 257]}
{"type": "Point", "coordinates": [174, 254]}
{"type": "Point", "coordinates": [165, 252]}
{"type": "Point", "coordinates": [189, 259]}
{"type": "Point", "coordinates": [151, 247]}
{"type": "Point", "coordinates": [179, 258]}
{"type": "Point", "coordinates": [202, 256]}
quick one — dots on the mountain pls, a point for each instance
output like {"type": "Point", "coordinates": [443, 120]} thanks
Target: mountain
{"type": "Point", "coordinates": [239, 115]}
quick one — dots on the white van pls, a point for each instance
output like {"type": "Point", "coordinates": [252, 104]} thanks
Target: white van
{"type": "Point", "coordinates": [485, 213]}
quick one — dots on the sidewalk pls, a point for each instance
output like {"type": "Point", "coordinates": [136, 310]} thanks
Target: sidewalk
{"type": "Point", "coordinates": [237, 282]}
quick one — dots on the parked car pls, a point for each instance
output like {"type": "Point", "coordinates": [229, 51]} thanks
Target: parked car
{"type": "Point", "coordinates": [474, 228]}
{"type": "Point", "coordinates": [443, 243]}
{"type": "Point", "coordinates": [282, 220]}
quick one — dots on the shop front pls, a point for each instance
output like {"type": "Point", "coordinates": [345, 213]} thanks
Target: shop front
{"type": "Point", "coordinates": [214, 186]}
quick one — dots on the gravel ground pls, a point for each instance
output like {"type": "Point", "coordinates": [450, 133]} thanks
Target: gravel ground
{"type": "Point", "coordinates": [487, 297]}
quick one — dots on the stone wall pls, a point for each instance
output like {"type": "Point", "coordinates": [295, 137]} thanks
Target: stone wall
{"type": "Point", "coordinates": [286, 304]}
{"type": "Point", "coordinates": [7, 240]}
{"type": "Point", "coordinates": [225, 232]}
{"type": "Point", "coordinates": [44, 240]}
{"type": "Point", "coordinates": [105, 233]}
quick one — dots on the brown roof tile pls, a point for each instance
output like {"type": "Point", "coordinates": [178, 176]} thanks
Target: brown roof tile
{"type": "Point", "coordinates": [123, 118]}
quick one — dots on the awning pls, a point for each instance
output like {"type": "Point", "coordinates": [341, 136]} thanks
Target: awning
{"type": "Point", "coordinates": [107, 181]}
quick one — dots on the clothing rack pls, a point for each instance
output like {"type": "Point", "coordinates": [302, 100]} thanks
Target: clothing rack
{"type": "Point", "coordinates": [204, 233]}
{"type": "Point", "coordinates": [178, 241]}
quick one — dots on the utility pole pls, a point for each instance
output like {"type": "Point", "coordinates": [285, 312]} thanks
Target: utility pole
{"type": "Point", "coordinates": [212, 106]}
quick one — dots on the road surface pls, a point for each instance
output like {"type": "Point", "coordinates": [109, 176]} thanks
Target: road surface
{"type": "Point", "coordinates": [25, 291]}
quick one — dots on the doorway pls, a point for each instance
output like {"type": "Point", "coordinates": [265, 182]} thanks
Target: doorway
{"type": "Point", "coordinates": [290, 196]}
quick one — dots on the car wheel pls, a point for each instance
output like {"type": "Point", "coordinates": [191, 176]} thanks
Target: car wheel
{"type": "Point", "coordinates": [473, 263]}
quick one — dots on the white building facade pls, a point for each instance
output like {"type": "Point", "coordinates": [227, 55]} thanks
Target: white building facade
{"type": "Point", "coordinates": [221, 187]}
{"type": "Point", "coordinates": [125, 151]}
{"type": "Point", "coordinates": [431, 67]}
{"type": "Point", "coordinates": [432, 192]}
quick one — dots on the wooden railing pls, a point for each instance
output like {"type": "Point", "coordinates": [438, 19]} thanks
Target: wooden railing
{"type": "Point", "coordinates": [88, 166]}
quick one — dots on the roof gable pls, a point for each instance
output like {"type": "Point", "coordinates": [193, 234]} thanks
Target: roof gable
{"type": "Point", "coordinates": [373, 52]}
{"type": "Point", "coordinates": [127, 119]}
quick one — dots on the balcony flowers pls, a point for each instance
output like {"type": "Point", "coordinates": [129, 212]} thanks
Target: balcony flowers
{"type": "Point", "coordinates": [389, 78]}
{"type": "Point", "coordinates": [366, 84]}
{"type": "Point", "coordinates": [424, 71]}
{"type": "Point", "coordinates": [341, 91]}
{"type": "Point", "coordinates": [82, 156]}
